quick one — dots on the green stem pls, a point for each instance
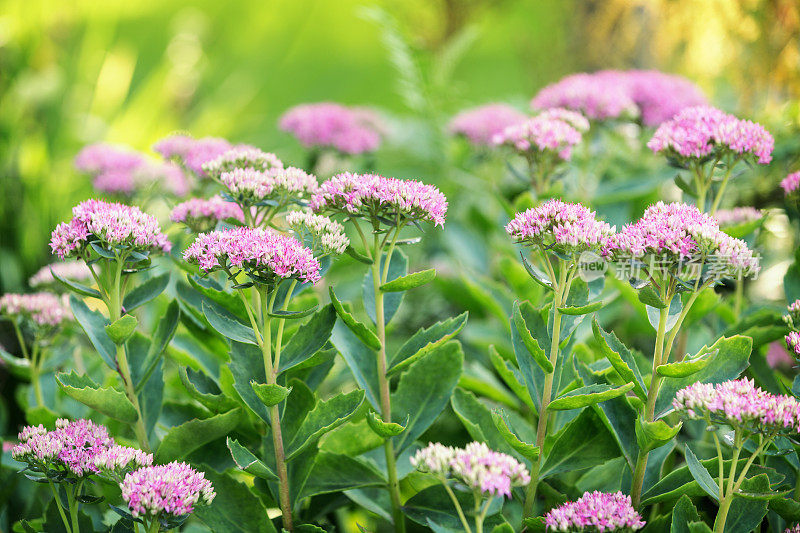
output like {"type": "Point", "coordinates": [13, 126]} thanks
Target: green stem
{"type": "Point", "coordinates": [21, 340]}
{"type": "Point", "coordinates": [383, 381]}
{"type": "Point", "coordinates": [738, 296]}
{"type": "Point", "coordinates": [36, 363]}
{"type": "Point", "coordinates": [281, 324]}
{"type": "Point", "coordinates": [73, 507]}
{"type": "Point", "coordinates": [720, 462]}
{"type": "Point", "coordinates": [652, 394]}
{"type": "Point", "coordinates": [561, 287]}
{"type": "Point", "coordinates": [720, 192]}
{"type": "Point", "coordinates": [154, 526]}
{"type": "Point", "coordinates": [457, 505]}
{"type": "Point", "coordinates": [60, 507]}
{"type": "Point", "coordinates": [733, 488]}
{"type": "Point", "coordinates": [481, 516]}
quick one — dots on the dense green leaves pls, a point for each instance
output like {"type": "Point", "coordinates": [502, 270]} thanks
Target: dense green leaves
{"type": "Point", "coordinates": [93, 323]}
{"type": "Point", "coordinates": [620, 358]}
{"type": "Point", "coordinates": [535, 351]}
{"type": "Point", "coordinates": [582, 443]}
{"type": "Point", "coordinates": [108, 401]}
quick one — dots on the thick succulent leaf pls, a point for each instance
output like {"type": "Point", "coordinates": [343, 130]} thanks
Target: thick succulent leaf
{"type": "Point", "coordinates": [108, 401]}
{"type": "Point", "coordinates": [361, 360]}
{"type": "Point", "coordinates": [588, 395]}
{"type": "Point", "coordinates": [270, 393]}
{"type": "Point", "coordinates": [683, 514]}
{"type": "Point", "coordinates": [182, 440]}
{"type": "Point", "coordinates": [145, 292]}
{"type": "Point", "coordinates": [76, 287]}
{"type": "Point", "coordinates": [529, 451]}
{"type": "Point", "coordinates": [534, 349]}
{"type": "Point", "coordinates": [701, 475]}
{"type": "Point", "coordinates": [336, 473]}
{"type": "Point", "coordinates": [398, 267]}
{"type": "Point", "coordinates": [93, 323]}
{"type": "Point", "coordinates": [325, 416]}
{"type": "Point", "coordinates": [385, 430]}
{"type": "Point", "coordinates": [620, 358]}
{"type": "Point", "coordinates": [309, 338]}
{"type": "Point", "coordinates": [409, 281]}
{"type": "Point", "coordinates": [248, 462]}
{"type": "Point", "coordinates": [228, 325]}
{"type": "Point", "coordinates": [424, 341]}
{"type": "Point", "coordinates": [360, 330]}
{"type": "Point", "coordinates": [582, 443]}
{"type": "Point", "coordinates": [204, 390]}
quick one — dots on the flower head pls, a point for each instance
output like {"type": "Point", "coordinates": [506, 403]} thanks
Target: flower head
{"type": "Point", "coordinates": [320, 233]}
{"type": "Point", "coordinates": [597, 97]}
{"type": "Point", "coordinates": [71, 270]}
{"type": "Point", "coordinates": [680, 234]}
{"type": "Point", "coordinates": [573, 118]}
{"type": "Point", "coordinates": [100, 158]}
{"type": "Point", "coordinates": [570, 227]}
{"type": "Point", "coordinates": [703, 131]}
{"type": "Point", "coordinates": [173, 489]}
{"type": "Point", "coordinates": [329, 125]}
{"type": "Point", "coordinates": [660, 96]}
{"type": "Point", "coordinates": [118, 459]}
{"type": "Point", "coordinates": [241, 157]}
{"type": "Point", "coordinates": [43, 308]}
{"type": "Point", "coordinates": [737, 215]}
{"type": "Point", "coordinates": [259, 252]}
{"type": "Point", "coordinates": [250, 186]}
{"type": "Point", "coordinates": [540, 135]}
{"type": "Point", "coordinates": [372, 196]}
{"type": "Point", "coordinates": [791, 184]}
{"type": "Point", "coordinates": [739, 403]}
{"type": "Point", "coordinates": [109, 224]}
{"type": "Point", "coordinates": [479, 125]}
{"type": "Point", "coordinates": [595, 511]}
{"type": "Point", "coordinates": [202, 215]}
{"type": "Point", "coordinates": [434, 459]}
{"type": "Point", "coordinates": [190, 152]}
{"type": "Point", "coordinates": [793, 343]}
{"type": "Point", "coordinates": [122, 171]}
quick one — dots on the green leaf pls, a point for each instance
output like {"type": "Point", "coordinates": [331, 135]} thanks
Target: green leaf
{"type": "Point", "coordinates": [245, 460]}
{"type": "Point", "coordinates": [309, 338]}
{"type": "Point", "coordinates": [588, 395]}
{"type": "Point", "coordinates": [235, 509]}
{"type": "Point", "coordinates": [358, 256]}
{"type": "Point", "coordinates": [93, 323]}
{"type": "Point", "coordinates": [699, 527]}
{"type": "Point", "coordinates": [247, 364]}
{"type": "Point", "coordinates": [325, 416]}
{"type": "Point", "coordinates": [424, 341]}
{"type": "Point", "coordinates": [182, 440]}
{"type": "Point", "coordinates": [145, 292]}
{"type": "Point", "coordinates": [410, 281]}
{"type": "Point", "coordinates": [529, 451]}
{"type": "Point", "coordinates": [228, 325]}
{"type": "Point", "coordinates": [701, 475]}
{"type": "Point", "coordinates": [424, 391]}
{"type": "Point", "coordinates": [683, 514]}
{"type": "Point", "coordinates": [398, 267]}
{"type": "Point", "coordinates": [334, 472]}
{"type": "Point", "coordinates": [675, 308]}
{"type": "Point", "coordinates": [580, 310]}
{"type": "Point", "coordinates": [383, 429]}
{"type": "Point", "coordinates": [758, 488]}
{"type": "Point", "coordinates": [787, 508]}
{"type": "Point", "coordinates": [511, 377]}
{"type": "Point", "coordinates": [121, 329]}
{"type": "Point", "coordinates": [204, 390]}
{"type": "Point", "coordinates": [477, 419]}
{"type": "Point", "coordinates": [530, 343]}
{"type": "Point", "coordinates": [293, 315]}
{"type": "Point", "coordinates": [537, 276]}
{"type": "Point", "coordinates": [652, 435]}
{"type": "Point", "coordinates": [165, 330]}
{"type": "Point", "coordinates": [620, 358]}
{"type": "Point", "coordinates": [76, 287]}
{"type": "Point", "coordinates": [271, 393]}
{"type": "Point", "coordinates": [584, 442]}
{"type": "Point", "coordinates": [745, 515]}
{"type": "Point", "coordinates": [648, 296]}
{"type": "Point", "coordinates": [730, 360]}
{"type": "Point", "coordinates": [685, 368]}
{"type": "Point", "coordinates": [108, 401]}
{"type": "Point", "coordinates": [359, 330]}
{"type": "Point", "coordinates": [19, 366]}
{"type": "Point", "coordinates": [433, 505]}
{"type": "Point", "coordinates": [360, 359]}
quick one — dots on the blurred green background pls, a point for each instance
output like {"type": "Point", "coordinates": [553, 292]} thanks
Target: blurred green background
{"type": "Point", "coordinates": [77, 72]}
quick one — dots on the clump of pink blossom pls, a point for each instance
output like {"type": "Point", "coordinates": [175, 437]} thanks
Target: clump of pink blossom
{"type": "Point", "coordinates": [173, 489]}
{"type": "Point", "coordinates": [791, 183]}
{"type": "Point", "coordinates": [348, 130]}
{"type": "Point", "coordinates": [737, 215]}
{"type": "Point", "coordinates": [793, 343]}
{"type": "Point", "coordinates": [70, 270]}
{"type": "Point", "coordinates": [540, 135]}
{"type": "Point", "coordinates": [43, 308]}
{"type": "Point", "coordinates": [595, 511]}
{"type": "Point", "coordinates": [200, 214]}
{"type": "Point", "coordinates": [480, 124]}
{"type": "Point", "coordinates": [251, 186]}
{"type": "Point", "coordinates": [190, 152]}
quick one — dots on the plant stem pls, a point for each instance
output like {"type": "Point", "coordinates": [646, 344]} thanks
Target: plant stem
{"type": "Point", "coordinates": [725, 503]}
{"type": "Point", "coordinates": [60, 508]}
{"type": "Point", "coordinates": [457, 505]}
{"type": "Point", "coordinates": [281, 324]}
{"type": "Point", "coordinates": [154, 526]}
{"type": "Point", "coordinates": [738, 296]}
{"type": "Point", "coordinates": [378, 278]}
{"type": "Point", "coordinates": [481, 516]}
{"type": "Point", "coordinates": [561, 287]}
{"type": "Point", "coordinates": [73, 507]}
{"type": "Point", "coordinates": [652, 394]}
{"type": "Point", "coordinates": [721, 190]}
{"type": "Point", "coordinates": [36, 362]}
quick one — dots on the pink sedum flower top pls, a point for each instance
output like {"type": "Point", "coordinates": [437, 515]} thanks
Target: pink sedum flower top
{"type": "Point", "coordinates": [480, 124]}
{"type": "Point", "coordinates": [323, 235]}
{"type": "Point", "coordinates": [791, 183]}
{"type": "Point", "coordinates": [678, 233]}
{"type": "Point", "coordinates": [249, 186]}
{"type": "Point", "coordinates": [348, 130]}
{"type": "Point", "coordinates": [573, 118]}
{"type": "Point", "coordinates": [570, 227]}
{"type": "Point", "coordinates": [704, 131]}
{"type": "Point", "coordinates": [794, 529]}
{"type": "Point", "coordinates": [739, 403]}
{"type": "Point", "coordinates": [190, 152]}
{"type": "Point", "coordinates": [117, 459]}
{"type": "Point", "coordinates": [43, 308]}
{"type": "Point", "coordinates": [71, 270]}
{"type": "Point", "coordinates": [241, 157]}
{"type": "Point", "coordinates": [259, 251]}
{"type": "Point", "coordinates": [99, 158]}
{"type": "Point", "coordinates": [793, 343]}
{"type": "Point", "coordinates": [737, 215]}
{"type": "Point", "coordinates": [172, 489]}
{"type": "Point", "coordinates": [372, 196]}
{"type": "Point", "coordinates": [111, 224]}
{"type": "Point", "coordinates": [476, 466]}
{"type": "Point", "coordinates": [595, 511]}
{"type": "Point", "coordinates": [542, 134]}
{"type": "Point", "coordinates": [201, 215]}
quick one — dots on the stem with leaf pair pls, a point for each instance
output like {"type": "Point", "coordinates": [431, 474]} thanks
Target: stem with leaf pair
{"type": "Point", "coordinates": [34, 357]}
{"type": "Point", "coordinates": [69, 516]}
{"type": "Point", "coordinates": [560, 282]}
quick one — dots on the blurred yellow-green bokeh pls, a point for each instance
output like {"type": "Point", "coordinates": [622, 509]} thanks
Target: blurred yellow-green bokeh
{"type": "Point", "coordinates": [74, 72]}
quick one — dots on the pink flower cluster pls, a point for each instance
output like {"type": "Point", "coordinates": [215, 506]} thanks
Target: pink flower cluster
{"type": "Point", "coordinates": [791, 183]}
{"type": "Point", "coordinates": [573, 118]}
{"type": "Point", "coordinates": [110, 223]}
{"type": "Point", "coordinates": [571, 227]}
{"type": "Point", "coordinates": [250, 186]}
{"type": "Point", "coordinates": [241, 157]}
{"type": "Point", "coordinates": [737, 215]}
{"type": "Point", "coordinates": [793, 343]}
{"type": "Point", "coordinates": [71, 445]}
{"type": "Point", "coordinates": [328, 125]}
{"type": "Point", "coordinates": [611, 94]}
{"type": "Point", "coordinates": [479, 125]}
{"type": "Point", "coordinates": [256, 250]}
{"type": "Point", "coordinates": [794, 529]}
{"type": "Point", "coordinates": [323, 235]}
{"type": "Point", "coordinates": [540, 134]}
{"type": "Point", "coordinates": [118, 170]}
{"type": "Point", "coordinates": [739, 403]}
{"type": "Point", "coordinates": [703, 131]}
{"type": "Point", "coordinates": [71, 270]}
{"type": "Point", "coordinates": [190, 152]}
{"type": "Point", "coordinates": [116, 459]}
{"type": "Point", "coordinates": [793, 318]}
{"type": "Point", "coordinates": [678, 233]}
{"type": "Point", "coordinates": [595, 511]}
{"type": "Point", "coordinates": [201, 215]}
{"type": "Point", "coordinates": [371, 196]}
{"type": "Point", "coordinates": [173, 489]}
{"type": "Point", "coordinates": [44, 308]}
{"type": "Point", "coordinates": [475, 465]}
